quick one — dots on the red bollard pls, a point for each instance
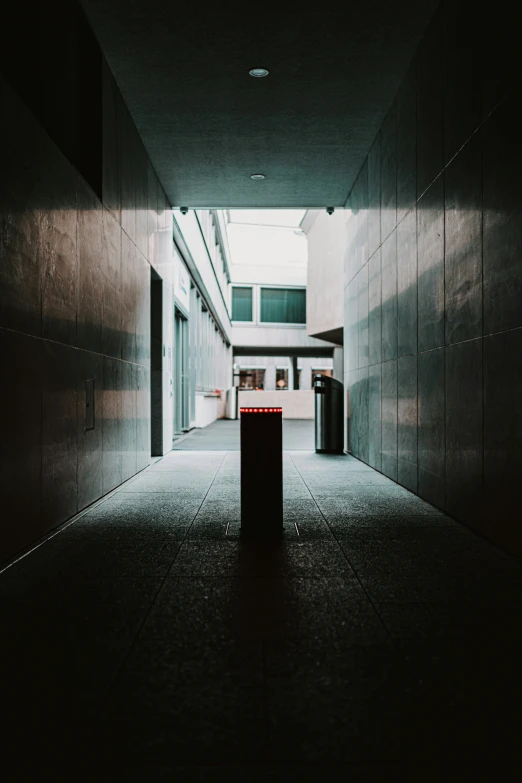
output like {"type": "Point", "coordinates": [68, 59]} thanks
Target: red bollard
{"type": "Point", "coordinates": [261, 471]}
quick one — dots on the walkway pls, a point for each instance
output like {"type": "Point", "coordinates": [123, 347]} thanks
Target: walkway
{"type": "Point", "coordinates": [298, 434]}
{"type": "Point", "coordinates": [146, 640]}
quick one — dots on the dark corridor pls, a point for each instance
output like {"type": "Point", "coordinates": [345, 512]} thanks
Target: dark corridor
{"type": "Point", "coordinates": [380, 639]}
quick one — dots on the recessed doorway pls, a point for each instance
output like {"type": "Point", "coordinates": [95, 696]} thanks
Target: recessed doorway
{"type": "Point", "coordinates": [156, 364]}
{"type": "Point", "coordinates": [181, 381]}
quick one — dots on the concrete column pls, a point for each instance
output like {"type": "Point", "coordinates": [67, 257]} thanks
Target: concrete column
{"type": "Point", "coordinates": [306, 374]}
{"type": "Point", "coordinates": [270, 377]}
{"type": "Point", "coordinates": [338, 364]}
{"type": "Point", "coordinates": [293, 382]}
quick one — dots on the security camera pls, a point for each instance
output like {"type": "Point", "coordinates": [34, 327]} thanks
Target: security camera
{"type": "Point", "coordinates": [183, 210]}
{"type": "Point", "coordinates": [330, 210]}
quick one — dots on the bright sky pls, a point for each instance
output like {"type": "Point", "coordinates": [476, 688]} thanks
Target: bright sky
{"type": "Point", "coordinates": [268, 237]}
{"type": "Point", "coordinates": [268, 217]}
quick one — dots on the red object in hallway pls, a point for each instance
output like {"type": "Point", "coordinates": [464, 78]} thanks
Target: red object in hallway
{"type": "Point", "coordinates": [260, 410]}
{"type": "Point", "coordinates": [261, 465]}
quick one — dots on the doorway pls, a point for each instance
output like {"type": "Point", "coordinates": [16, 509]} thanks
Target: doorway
{"type": "Point", "coordinates": [181, 388]}
{"type": "Point", "coordinates": [156, 364]}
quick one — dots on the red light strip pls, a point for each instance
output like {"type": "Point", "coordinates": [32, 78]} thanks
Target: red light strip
{"type": "Point", "coordinates": [260, 410]}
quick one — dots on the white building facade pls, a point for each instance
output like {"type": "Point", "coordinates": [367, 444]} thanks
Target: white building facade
{"type": "Point", "coordinates": [239, 312]}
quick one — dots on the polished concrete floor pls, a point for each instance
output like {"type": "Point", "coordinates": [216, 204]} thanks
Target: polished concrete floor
{"type": "Point", "coordinates": [147, 642]}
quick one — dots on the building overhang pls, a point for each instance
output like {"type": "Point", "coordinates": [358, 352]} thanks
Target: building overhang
{"type": "Point", "coordinates": [332, 336]}
{"type": "Point", "coordinates": [270, 350]}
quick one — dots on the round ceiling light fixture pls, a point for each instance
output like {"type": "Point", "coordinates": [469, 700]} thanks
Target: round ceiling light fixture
{"type": "Point", "coordinates": [257, 176]}
{"type": "Point", "coordinates": [258, 73]}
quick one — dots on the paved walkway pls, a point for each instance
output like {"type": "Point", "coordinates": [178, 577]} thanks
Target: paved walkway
{"type": "Point", "coordinates": [298, 434]}
{"type": "Point", "coordinates": [147, 642]}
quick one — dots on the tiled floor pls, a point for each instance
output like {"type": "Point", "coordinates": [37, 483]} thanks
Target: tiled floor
{"type": "Point", "coordinates": [148, 642]}
{"type": "Point", "coordinates": [298, 434]}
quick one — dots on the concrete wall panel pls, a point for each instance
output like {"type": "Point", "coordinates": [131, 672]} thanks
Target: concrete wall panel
{"type": "Point", "coordinates": [445, 284]}
{"type": "Point", "coordinates": [75, 273]}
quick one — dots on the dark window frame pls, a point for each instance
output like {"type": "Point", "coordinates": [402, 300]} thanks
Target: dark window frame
{"type": "Point", "coordinates": [283, 290]}
{"type": "Point", "coordinates": [242, 288]}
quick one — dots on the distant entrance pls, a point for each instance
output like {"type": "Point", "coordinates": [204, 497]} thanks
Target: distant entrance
{"type": "Point", "coordinates": [156, 364]}
{"type": "Point", "coordinates": [181, 388]}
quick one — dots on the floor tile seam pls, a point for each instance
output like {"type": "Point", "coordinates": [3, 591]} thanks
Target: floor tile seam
{"type": "Point", "coordinates": [368, 596]}
{"type": "Point", "coordinates": [147, 614]}
{"type": "Point", "coordinates": [359, 512]}
{"type": "Point", "coordinates": [191, 524]}
{"type": "Point", "coordinates": [250, 576]}
{"type": "Point", "coordinates": [173, 476]}
{"type": "Point", "coordinates": [349, 527]}
{"type": "Point", "coordinates": [152, 492]}
{"type": "Point", "coordinates": [68, 523]}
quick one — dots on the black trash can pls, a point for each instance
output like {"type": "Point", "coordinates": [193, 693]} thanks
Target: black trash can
{"type": "Point", "coordinates": [329, 415]}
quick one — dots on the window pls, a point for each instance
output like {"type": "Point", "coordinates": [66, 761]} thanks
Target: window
{"type": "Point", "coordinates": [241, 304]}
{"type": "Point", "coordinates": [281, 378]}
{"type": "Point", "coordinates": [283, 305]}
{"type": "Point", "coordinates": [252, 378]}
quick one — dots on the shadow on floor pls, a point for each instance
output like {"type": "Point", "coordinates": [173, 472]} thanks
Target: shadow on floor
{"type": "Point", "coordinates": [378, 640]}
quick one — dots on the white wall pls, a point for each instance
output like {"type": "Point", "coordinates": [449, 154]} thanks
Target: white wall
{"type": "Point", "coordinates": [181, 283]}
{"type": "Point", "coordinates": [268, 275]}
{"type": "Point", "coordinates": [295, 404]}
{"type": "Point", "coordinates": [325, 281]}
{"type": "Point", "coordinates": [267, 336]}
{"type": "Point", "coordinates": [207, 409]}
{"type": "Point", "coordinates": [214, 282]}
{"type": "Point", "coordinates": [210, 364]}
{"type": "Point", "coordinates": [164, 262]}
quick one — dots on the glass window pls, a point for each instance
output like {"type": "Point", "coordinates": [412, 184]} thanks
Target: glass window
{"type": "Point", "coordinates": [241, 304]}
{"type": "Point", "coordinates": [252, 378]}
{"type": "Point", "coordinates": [281, 378]}
{"type": "Point", "coordinates": [283, 305]}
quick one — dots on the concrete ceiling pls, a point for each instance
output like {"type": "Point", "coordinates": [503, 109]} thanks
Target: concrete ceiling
{"type": "Point", "coordinates": [207, 125]}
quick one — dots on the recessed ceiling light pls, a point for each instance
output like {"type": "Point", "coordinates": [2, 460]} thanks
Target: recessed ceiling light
{"type": "Point", "coordinates": [257, 176]}
{"type": "Point", "coordinates": [258, 72]}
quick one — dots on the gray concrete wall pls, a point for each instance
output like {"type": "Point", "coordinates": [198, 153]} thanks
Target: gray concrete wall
{"type": "Point", "coordinates": [324, 293]}
{"type": "Point", "coordinates": [433, 295]}
{"type": "Point", "coordinates": [75, 274]}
